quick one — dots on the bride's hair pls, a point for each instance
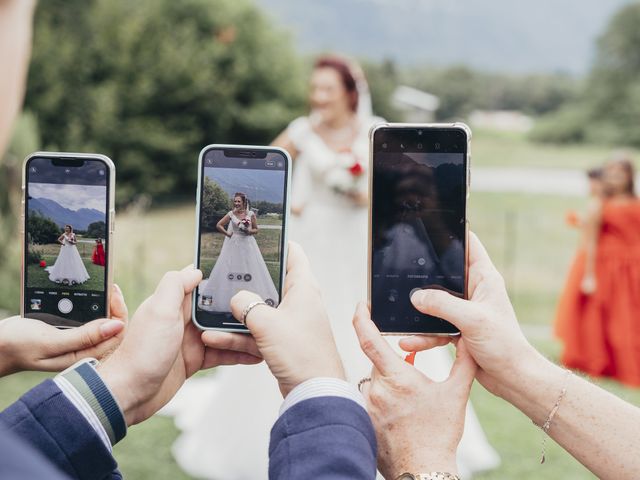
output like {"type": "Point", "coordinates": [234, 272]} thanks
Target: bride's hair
{"type": "Point", "coordinates": [347, 75]}
{"type": "Point", "coordinates": [69, 226]}
{"type": "Point", "coordinates": [245, 200]}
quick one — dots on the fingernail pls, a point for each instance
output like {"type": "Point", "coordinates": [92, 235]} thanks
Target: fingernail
{"type": "Point", "coordinates": [117, 287]}
{"type": "Point", "coordinates": [418, 296]}
{"type": "Point", "coordinates": [111, 328]}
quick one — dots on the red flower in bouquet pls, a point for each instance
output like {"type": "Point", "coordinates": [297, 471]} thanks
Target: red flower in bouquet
{"type": "Point", "coordinates": [356, 169]}
{"type": "Point", "coordinates": [43, 263]}
{"type": "Point", "coordinates": [245, 224]}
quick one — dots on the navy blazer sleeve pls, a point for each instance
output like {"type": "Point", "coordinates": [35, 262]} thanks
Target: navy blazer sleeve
{"type": "Point", "coordinates": [45, 419]}
{"type": "Point", "coordinates": [323, 438]}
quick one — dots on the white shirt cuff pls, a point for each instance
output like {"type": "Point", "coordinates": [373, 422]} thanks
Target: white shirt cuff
{"type": "Point", "coordinates": [84, 408]}
{"type": "Point", "coordinates": [322, 387]}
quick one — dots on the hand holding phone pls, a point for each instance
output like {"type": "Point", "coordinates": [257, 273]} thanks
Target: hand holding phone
{"type": "Point", "coordinates": [31, 345]}
{"type": "Point", "coordinates": [295, 339]}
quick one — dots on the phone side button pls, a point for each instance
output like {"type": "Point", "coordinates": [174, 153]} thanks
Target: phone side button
{"type": "Point", "coordinates": [112, 221]}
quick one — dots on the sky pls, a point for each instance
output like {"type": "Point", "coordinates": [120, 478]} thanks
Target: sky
{"type": "Point", "coordinates": [73, 197]}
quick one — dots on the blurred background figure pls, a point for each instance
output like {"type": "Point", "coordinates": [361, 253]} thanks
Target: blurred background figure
{"type": "Point", "coordinates": [330, 149]}
{"type": "Point", "coordinates": [596, 191]}
{"type": "Point", "coordinates": [597, 317]}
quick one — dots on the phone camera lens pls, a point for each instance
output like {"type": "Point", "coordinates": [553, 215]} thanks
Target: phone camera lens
{"type": "Point", "coordinates": [384, 145]}
{"type": "Point", "coordinates": [420, 146]}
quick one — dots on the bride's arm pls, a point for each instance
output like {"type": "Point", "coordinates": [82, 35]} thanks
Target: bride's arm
{"type": "Point", "coordinates": [284, 141]}
{"type": "Point", "coordinates": [61, 239]}
{"type": "Point", "coordinates": [15, 50]}
{"type": "Point", "coordinates": [254, 225]}
{"type": "Point", "coordinates": [221, 225]}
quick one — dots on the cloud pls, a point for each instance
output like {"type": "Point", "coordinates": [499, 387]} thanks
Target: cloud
{"type": "Point", "coordinates": [73, 197]}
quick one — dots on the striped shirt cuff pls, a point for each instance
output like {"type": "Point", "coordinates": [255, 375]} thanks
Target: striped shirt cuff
{"type": "Point", "coordinates": [322, 387]}
{"type": "Point", "coordinates": [82, 385]}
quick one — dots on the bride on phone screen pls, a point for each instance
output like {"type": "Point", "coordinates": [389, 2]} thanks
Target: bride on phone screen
{"type": "Point", "coordinates": [68, 268]}
{"type": "Point", "coordinates": [240, 265]}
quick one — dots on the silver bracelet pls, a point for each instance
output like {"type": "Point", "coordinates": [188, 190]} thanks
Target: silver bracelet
{"type": "Point", "coordinates": [546, 426]}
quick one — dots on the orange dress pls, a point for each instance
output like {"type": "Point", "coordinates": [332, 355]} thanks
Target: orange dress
{"type": "Point", "coordinates": [601, 332]}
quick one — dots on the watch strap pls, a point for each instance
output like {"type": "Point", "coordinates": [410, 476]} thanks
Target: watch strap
{"type": "Point", "coordinates": [428, 476]}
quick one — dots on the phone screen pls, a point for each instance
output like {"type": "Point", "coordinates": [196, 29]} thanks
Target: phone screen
{"type": "Point", "coordinates": [418, 223]}
{"type": "Point", "coordinates": [241, 240]}
{"type": "Point", "coordinates": [66, 239]}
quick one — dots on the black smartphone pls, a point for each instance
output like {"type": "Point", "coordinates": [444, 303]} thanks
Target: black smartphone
{"type": "Point", "coordinates": [241, 229]}
{"type": "Point", "coordinates": [418, 221]}
{"type": "Point", "coordinates": [67, 227]}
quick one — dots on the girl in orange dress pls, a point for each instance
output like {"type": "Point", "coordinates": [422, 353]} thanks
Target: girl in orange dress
{"type": "Point", "coordinates": [598, 317]}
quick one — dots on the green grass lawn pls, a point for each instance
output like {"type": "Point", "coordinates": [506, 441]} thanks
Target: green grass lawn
{"type": "Point", "coordinates": [38, 277]}
{"type": "Point", "coordinates": [510, 149]}
{"type": "Point", "coordinates": [526, 236]}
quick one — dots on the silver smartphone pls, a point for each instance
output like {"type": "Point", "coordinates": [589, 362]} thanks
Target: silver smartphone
{"type": "Point", "coordinates": [67, 227]}
{"type": "Point", "coordinates": [419, 185]}
{"type": "Point", "coordinates": [242, 216]}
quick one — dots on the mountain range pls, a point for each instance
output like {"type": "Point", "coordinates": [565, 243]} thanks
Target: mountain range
{"type": "Point", "coordinates": [493, 35]}
{"type": "Point", "coordinates": [80, 219]}
{"type": "Point", "coordinates": [265, 185]}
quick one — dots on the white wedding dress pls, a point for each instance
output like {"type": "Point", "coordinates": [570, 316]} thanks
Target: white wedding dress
{"type": "Point", "coordinates": [226, 418]}
{"type": "Point", "coordinates": [68, 266]}
{"type": "Point", "coordinates": [239, 266]}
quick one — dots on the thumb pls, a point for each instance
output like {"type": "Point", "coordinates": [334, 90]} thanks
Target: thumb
{"type": "Point", "coordinates": [260, 316]}
{"type": "Point", "coordinates": [464, 367]}
{"type": "Point", "coordinates": [117, 305]}
{"type": "Point", "coordinates": [85, 336]}
{"type": "Point", "coordinates": [459, 312]}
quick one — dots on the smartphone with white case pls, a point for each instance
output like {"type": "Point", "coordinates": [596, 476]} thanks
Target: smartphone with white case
{"type": "Point", "coordinates": [67, 229]}
{"type": "Point", "coordinates": [242, 217]}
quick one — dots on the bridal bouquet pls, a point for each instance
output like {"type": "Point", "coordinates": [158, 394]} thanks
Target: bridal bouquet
{"type": "Point", "coordinates": [245, 225]}
{"type": "Point", "coordinates": [348, 175]}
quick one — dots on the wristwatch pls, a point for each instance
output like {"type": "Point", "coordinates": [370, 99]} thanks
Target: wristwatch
{"type": "Point", "coordinates": [428, 476]}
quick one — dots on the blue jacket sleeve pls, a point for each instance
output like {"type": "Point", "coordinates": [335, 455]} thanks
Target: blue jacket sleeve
{"type": "Point", "coordinates": [45, 419]}
{"type": "Point", "coordinates": [323, 438]}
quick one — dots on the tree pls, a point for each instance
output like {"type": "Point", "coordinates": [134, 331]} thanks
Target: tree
{"type": "Point", "coordinates": [215, 203]}
{"type": "Point", "coordinates": [608, 108]}
{"type": "Point", "coordinates": [97, 230]}
{"type": "Point", "coordinates": [42, 230]}
{"type": "Point", "coordinates": [150, 82]}
{"type": "Point", "coordinates": [613, 89]}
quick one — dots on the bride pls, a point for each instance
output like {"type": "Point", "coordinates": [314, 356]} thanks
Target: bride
{"type": "Point", "coordinates": [239, 256]}
{"type": "Point", "coordinates": [68, 268]}
{"type": "Point", "coordinates": [227, 436]}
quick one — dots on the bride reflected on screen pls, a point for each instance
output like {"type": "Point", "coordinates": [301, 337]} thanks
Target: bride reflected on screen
{"type": "Point", "coordinates": [69, 268]}
{"type": "Point", "coordinates": [240, 265]}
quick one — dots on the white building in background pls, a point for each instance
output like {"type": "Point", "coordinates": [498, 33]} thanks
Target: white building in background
{"type": "Point", "coordinates": [415, 105]}
{"type": "Point", "coordinates": [506, 120]}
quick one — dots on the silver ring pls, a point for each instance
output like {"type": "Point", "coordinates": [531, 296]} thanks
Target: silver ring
{"type": "Point", "coordinates": [362, 382]}
{"type": "Point", "coordinates": [248, 308]}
